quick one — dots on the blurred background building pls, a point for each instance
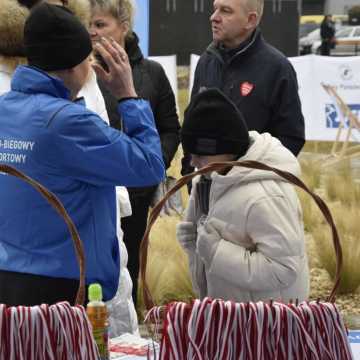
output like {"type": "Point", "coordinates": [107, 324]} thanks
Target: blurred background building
{"type": "Point", "coordinates": [339, 6]}
{"type": "Point", "coordinates": [182, 27]}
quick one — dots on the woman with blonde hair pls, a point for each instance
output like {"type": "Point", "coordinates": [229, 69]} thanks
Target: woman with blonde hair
{"type": "Point", "coordinates": [114, 18]}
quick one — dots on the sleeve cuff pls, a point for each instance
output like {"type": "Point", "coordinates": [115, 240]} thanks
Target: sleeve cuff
{"type": "Point", "coordinates": [129, 98]}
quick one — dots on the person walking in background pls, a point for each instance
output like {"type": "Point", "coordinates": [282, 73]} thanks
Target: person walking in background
{"type": "Point", "coordinates": [72, 152]}
{"type": "Point", "coordinates": [114, 18]}
{"type": "Point", "coordinates": [327, 33]}
{"type": "Point", "coordinates": [254, 75]}
{"type": "Point", "coordinates": [243, 229]}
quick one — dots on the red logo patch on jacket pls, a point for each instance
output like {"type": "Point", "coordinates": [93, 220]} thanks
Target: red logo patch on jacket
{"type": "Point", "coordinates": [246, 88]}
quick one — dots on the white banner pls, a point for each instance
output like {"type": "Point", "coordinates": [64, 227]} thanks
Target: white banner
{"type": "Point", "coordinates": [169, 65]}
{"type": "Point", "coordinates": [193, 62]}
{"type": "Point", "coordinates": [321, 116]}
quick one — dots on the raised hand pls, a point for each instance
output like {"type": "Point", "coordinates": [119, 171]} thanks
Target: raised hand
{"type": "Point", "coordinates": [118, 79]}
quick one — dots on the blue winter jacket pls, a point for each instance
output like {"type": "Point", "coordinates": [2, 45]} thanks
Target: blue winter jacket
{"type": "Point", "coordinates": [75, 154]}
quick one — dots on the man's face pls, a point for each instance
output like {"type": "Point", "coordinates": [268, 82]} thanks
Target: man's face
{"type": "Point", "coordinates": [232, 22]}
{"type": "Point", "coordinates": [199, 161]}
{"type": "Point", "coordinates": [80, 75]}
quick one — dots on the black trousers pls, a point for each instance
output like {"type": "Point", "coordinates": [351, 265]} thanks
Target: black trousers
{"type": "Point", "coordinates": [325, 47]}
{"type": "Point", "coordinates": [29, 290]}
{"type": "Point", "coordinates": [134, 227]}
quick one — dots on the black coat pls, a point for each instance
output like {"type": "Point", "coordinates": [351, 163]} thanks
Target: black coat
{"type": "Point", "coordinates": [327, 30]}
{"type": "Point", "coordinates": [272, 104]}
{"type": "Point", "coordinates": [151, 83]}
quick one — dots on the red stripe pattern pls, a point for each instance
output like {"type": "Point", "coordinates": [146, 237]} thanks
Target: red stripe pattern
{"type": "Point", "coordinates": [225, 330]}
{"type": "Point", "coordinates": [56, 332]}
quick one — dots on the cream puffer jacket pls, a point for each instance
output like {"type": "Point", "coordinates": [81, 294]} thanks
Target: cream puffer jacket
{"type": "Point", "coordinates": [261, 254]}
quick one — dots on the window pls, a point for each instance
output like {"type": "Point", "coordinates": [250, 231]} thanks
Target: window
{"type": "Point", "coordinates": [307, 28]}
{"type": "Point", "coordinates": [343, 33]}
{"type": "Point", "coordinates": [357, 32]}
{"type": "Point", "coordinates": [198, 6]}
{"type": "Point", "coordinates": [170, 6]}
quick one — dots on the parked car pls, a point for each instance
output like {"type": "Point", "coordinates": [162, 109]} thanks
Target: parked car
{"type": "Point", "coordinates": [309, 30]}
{"type": "Point", "coordinates": [347, 42]}
{"type": "Point", "coordinates": [306, 28]}
{"type": "Point", "coordinates": [306, 42]}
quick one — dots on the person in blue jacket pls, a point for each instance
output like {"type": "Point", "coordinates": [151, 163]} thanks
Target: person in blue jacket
{"type": "Point", "coordinates": [49, 135]}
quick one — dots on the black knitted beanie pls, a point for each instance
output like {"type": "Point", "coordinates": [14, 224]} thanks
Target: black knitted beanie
{"type": "Point", "coordinates": [213, 125]}
{"type": "Point", "coordinates": [55, 39]}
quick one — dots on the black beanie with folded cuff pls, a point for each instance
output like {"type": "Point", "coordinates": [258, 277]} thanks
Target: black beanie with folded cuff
{"type": "Point", "coordinates": [55, 39]}
{"type": "Point", "coordinates": [213, 125]}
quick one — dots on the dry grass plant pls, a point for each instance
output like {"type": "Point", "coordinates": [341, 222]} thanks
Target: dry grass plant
{"type": "Point", "coordinates": [311, 214]}
{"type": "Point", "coordinates": [168, 271]}
{"type": "Point", "coordinates": [323, 147]}
{"type": "Point", "coordinates": [311, 176]}
{"type": "Point", "coordinates": [311, 173]}
{"type": "Point", "coordinates": [342, 187]}
{"type": "Point", "coordinates": [319, 147]}
{"type": "Point", "coordinates": [348, 225]}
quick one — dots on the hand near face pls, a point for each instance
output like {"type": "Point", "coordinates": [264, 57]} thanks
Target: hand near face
{"type": "Point", "coordinates": [118, 79]}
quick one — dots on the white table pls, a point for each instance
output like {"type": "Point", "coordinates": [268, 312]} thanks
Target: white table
{"type": "Point", "coordinates": [354, 338]}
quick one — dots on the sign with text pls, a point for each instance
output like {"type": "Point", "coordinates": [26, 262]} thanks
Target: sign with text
{"type": "Point", "coordinates": [322, 118]}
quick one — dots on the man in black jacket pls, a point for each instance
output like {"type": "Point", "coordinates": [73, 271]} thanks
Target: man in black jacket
{"type": "Point", "coordinates": [254, 75]}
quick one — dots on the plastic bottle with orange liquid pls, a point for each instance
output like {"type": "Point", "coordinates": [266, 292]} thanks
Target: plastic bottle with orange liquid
{"type": "Point", "coordinates": [98, 316]}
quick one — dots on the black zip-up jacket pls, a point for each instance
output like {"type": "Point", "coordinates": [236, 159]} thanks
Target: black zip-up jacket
{"type": "Point", "coordinates": [327, 30]}
{"type": "Point", "coordinates": [261, 82]}
{"type": "Point", "coordinates": [151, 83]}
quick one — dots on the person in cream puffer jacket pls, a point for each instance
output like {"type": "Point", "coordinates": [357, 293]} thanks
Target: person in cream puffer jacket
{"type": "Point", "coordinates": [243, 229]}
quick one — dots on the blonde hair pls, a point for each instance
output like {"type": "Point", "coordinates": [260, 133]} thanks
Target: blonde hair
{"type": "Point", "coordinates": [122, 10]}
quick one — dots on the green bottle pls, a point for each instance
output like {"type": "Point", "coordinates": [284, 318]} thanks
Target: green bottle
{"type": "Point", "coordinates": [98, 316]}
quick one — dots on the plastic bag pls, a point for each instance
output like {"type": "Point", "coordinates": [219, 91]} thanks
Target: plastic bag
{"type": "Point", "coordinates": [174, 204]}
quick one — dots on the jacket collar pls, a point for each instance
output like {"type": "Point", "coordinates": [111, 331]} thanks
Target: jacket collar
{"type": "Point", "coordinates": [31, 80]}
{"type": "Point", "coordinates": [245, 48]}
{"type": "Point", "coordinates": [133, 50]}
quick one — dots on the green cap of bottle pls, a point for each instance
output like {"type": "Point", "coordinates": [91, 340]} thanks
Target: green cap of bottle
{"type": "Point", "coordinates": [95, 292]}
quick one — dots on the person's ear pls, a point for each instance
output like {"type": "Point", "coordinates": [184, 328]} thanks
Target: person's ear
{"type": "Point", "coordinates": [253, 20]}
{"type": "Point", "coordinates": [125, 27]}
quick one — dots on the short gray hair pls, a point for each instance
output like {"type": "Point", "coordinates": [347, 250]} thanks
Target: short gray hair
{"type": "Point", "coordinates": [257, 5]}
{"type": "Point", "coordinates": [122, 10]}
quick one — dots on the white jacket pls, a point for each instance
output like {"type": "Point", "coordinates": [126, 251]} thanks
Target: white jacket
{"type": "Point", "coordinates": [261, 254]}
{"type": "Point", "coordinates": [121, 308]}
{"type": "Point", "coordinates": [5, 77]}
